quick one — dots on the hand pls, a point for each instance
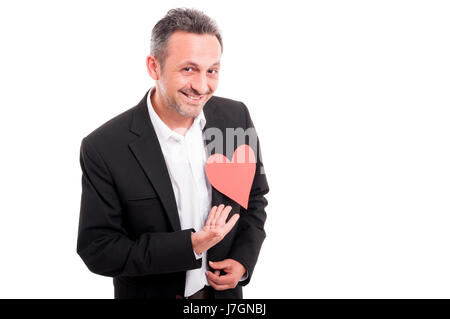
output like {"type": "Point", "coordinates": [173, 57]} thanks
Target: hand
{"type": "Point", "coordinates": [234, 272]}
{"type": "Point", "coordinates": [214, 230]}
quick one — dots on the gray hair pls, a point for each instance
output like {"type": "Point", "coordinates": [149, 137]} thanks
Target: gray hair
{"type": "Point", "coordinates": [180, 19]}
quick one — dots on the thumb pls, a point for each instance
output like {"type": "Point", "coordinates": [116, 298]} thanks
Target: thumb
{"type": "Point", "coordinates": [219, 264]}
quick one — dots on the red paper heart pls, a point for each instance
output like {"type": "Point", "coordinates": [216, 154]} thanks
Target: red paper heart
{"type": "Point", "coordinates": [235, 178]}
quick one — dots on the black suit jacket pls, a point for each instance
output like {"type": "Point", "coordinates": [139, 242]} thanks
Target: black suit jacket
{"type": "Point", "coordinates": [129, 227]}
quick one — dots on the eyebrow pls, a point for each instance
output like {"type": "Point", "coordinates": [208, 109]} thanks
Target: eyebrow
{"type": "Point", "coordinates": [196, 65]}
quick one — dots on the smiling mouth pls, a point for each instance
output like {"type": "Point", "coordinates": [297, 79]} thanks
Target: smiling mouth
{"type": "Point", "coordinates": [193, 98]}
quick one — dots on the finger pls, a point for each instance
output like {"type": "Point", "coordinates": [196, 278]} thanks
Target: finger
{"type": "Point", "coordinates": [223, 216]}
{"type": "Point", "coordinates": [230, 224]}
{"type": "Point", "coordinates": [211, 215]}
{"type": "Point", "coordinates": [227, 279]}
{"type": "Point", "coordinates": [217, 213]}
{"type": "Point", "coordinates": [219, 287]}
{"type": "Point", "coordinates": [224, 264]}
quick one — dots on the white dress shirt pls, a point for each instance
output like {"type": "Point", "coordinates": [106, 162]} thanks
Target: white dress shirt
{"type": "Point", "coordinates": [185, 158]}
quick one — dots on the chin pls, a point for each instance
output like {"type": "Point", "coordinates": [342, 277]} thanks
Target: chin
{"type": "Point", "coordinates": [188, 110]}
{"type": "Point", "coordinates": [191, 113]}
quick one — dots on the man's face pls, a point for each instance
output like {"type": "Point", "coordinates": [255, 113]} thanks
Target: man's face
{"type": "Point", "coordinates": [190, 76]}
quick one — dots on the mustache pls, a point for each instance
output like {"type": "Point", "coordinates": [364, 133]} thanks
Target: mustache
{"type": "Point", "coordinates": [194, 92]}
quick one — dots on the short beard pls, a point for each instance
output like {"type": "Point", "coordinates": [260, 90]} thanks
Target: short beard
{"type": "Point", "coordinates": [178, 109]}
{"type": "Point", "coordinates": [173, 104]}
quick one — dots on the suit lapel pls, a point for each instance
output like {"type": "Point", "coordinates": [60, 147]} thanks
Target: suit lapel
{"type": "Point", "coordinates": [147, 151]}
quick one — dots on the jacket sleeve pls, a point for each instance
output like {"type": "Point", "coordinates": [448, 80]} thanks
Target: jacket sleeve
{"type": "Point", "coordinates": [250, 233]}
{"type": "Point", "coordinates": [104, 244]}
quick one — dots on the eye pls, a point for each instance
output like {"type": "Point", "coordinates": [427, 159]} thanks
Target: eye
{"type": "Point", "coordinates": [187, 69]}
{"type": "Point", "coordinates": [213, 71]}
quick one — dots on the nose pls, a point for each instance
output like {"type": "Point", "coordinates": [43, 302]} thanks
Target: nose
{"type": "Point", "coordinates": [200, 83]}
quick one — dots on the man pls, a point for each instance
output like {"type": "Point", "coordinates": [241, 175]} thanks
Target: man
{"type": "Point", "coordinates": [149, 216]}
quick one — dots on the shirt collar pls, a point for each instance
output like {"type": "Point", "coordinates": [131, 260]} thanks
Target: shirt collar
{"type": "Point", "coordinates": [162, 130]}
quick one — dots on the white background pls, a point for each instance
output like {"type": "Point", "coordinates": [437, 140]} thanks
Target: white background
{"type": "Point", "coordinates": [351, 102]}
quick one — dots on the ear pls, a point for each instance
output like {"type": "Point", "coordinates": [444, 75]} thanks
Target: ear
{"type": "Point", "coordinates": [153, 68]}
